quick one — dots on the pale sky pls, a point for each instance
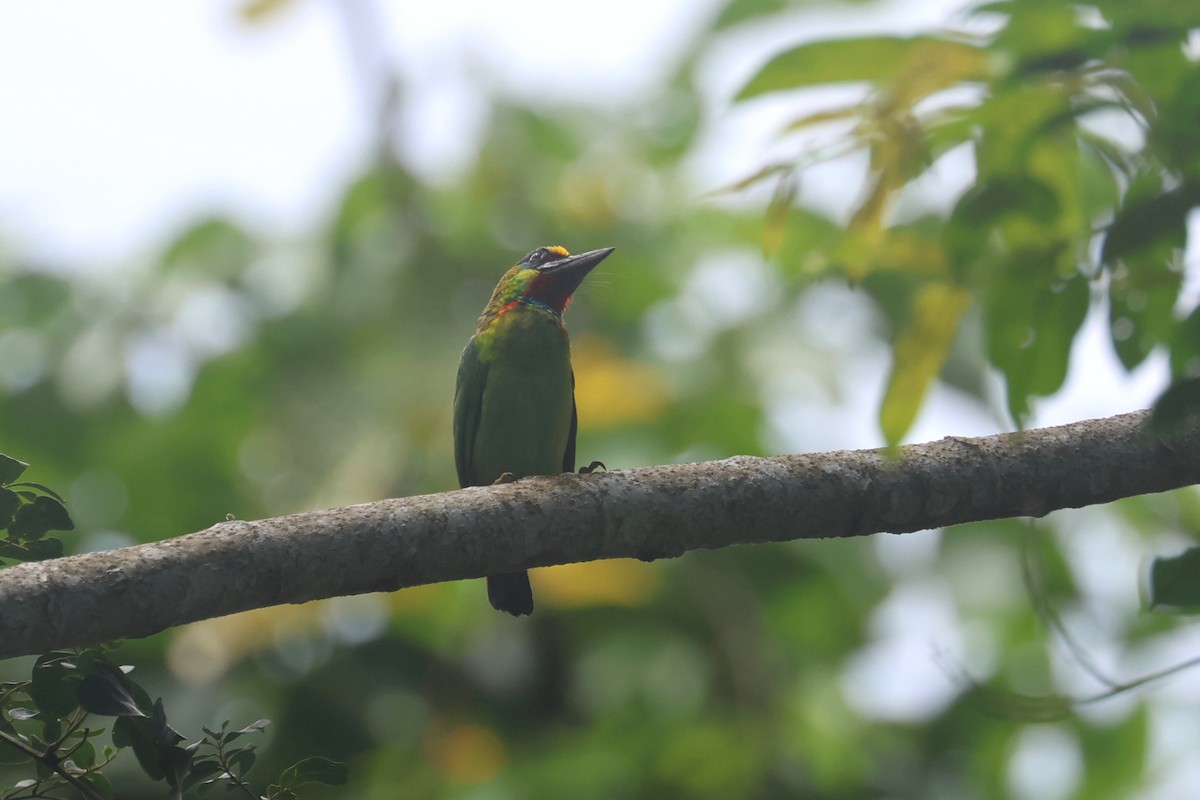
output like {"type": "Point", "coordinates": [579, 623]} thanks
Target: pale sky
{"type": "Point", "coordinates": [122, 121]}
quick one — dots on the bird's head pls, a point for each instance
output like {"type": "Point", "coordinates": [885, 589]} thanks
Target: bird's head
{"type": "Point", "coordinates": [546, 277]}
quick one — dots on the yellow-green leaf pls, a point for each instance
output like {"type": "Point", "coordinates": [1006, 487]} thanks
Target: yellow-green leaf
{"type": "Point", "coordinates": [916, 66]}
{"type": "Point", "coordinates": [918, 354]}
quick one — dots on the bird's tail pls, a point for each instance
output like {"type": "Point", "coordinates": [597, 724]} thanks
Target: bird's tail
{"type": "Point", "coordinates": [511, 592]}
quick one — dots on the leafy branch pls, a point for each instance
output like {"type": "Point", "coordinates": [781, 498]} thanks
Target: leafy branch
{"type": "Point", "coordinates": [44, 721]}
{"type": "Point", "coordinates": [1057, 209]}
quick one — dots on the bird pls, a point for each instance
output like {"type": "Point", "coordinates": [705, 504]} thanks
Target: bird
{"type": "Point", "coordinates": [514, 398]}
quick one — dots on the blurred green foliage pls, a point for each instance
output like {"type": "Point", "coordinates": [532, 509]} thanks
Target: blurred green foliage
{"type": "Point", "coordinates": [48, 732]}
{"type": "Point", "coordinates": [1039, 104]}
{"type": "Point", "coordinates": [235, 374]}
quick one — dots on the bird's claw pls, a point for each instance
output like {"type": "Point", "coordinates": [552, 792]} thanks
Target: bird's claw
{"type": "Point", "coordinates": [592, 467]}
{"type": "Point", "coordinates": [505, 477]}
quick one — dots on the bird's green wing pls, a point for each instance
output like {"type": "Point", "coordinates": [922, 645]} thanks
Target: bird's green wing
{"type": "Point", "coordinates": [568, 464]}
{"type": "Point", "coordinates": [468, 406]}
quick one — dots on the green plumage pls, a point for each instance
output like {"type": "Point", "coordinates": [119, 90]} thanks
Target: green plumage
{"type": "Point", "coordinates": [514, 400]}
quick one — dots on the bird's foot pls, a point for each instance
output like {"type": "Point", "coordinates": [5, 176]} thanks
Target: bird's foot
{"type": "Point", "coordinates": [505, 477]}
{"type": "Point", "coordinates": [592, 467]}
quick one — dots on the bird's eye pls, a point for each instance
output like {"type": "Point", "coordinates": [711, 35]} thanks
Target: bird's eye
{"type": "Point", "coordinates": [544, 255]}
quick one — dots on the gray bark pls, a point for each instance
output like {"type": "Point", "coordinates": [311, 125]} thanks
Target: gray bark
{"type": "Point", "coordinates": [657, 512]}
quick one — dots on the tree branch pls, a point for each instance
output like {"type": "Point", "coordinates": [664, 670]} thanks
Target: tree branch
{"type": "Point", "coordinates": [655, 512]}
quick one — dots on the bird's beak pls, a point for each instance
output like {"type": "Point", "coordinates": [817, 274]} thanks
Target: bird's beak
{"type": "Point", "coordinates": [567, 273]}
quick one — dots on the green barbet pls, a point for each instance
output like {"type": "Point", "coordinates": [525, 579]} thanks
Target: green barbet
{"type": "Point", "coordinates": [514, 402]}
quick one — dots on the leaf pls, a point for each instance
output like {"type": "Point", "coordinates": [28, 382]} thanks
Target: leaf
{"type": "Point", "coordinates": [315, 769]}
{"type": "Point", "coordinates": [777, 213]}
{"type": "Point", "coordinates": [925, 63]}
{"type": "Point", "coordinates": [36, 551]}
{"type": "Point", "coordinates": [769, 171]}
{"type": "Point", "coordinates": [55, 684]}
{"type": "Point", "coordinates": [1048, 38]}
{"type": "Point", "coordinates": [1177, 407]}
{"type": "Point", "coordinates": [1174, 135]}
{"type": "Point", "coordinates": [100, 783]}
{"type": "Point", "coordinates": [41, 487]}
{"type": "Point", "coordinates": [742, 10]}
{"type": "Point", "coordinates": [1142, 293]}
{"type": "Point", "coordinates": [43, 549]}
{"type": "Point", "coordinates": [155, 744]}
{"type": "Point", "coordinates": [214, 248]}
{"type": "Point", "coordinates": [844, 113]}
{"type": "Point", "coordinates": [242, 761]}
{"type": "Point", "coordinates": [996, 218]}
{"type": "Point", "coordinates": [200, 771]}
{"type": "Point", "coordinates": [9, 503]}
{"type": "Point", "coordinates": [260, 11]}
{"type": "Point", "coordinates": [1174, 581]}
{"type": "Point", "coordinates": [84, 755]}
{"type": "Point", "coordinates": [10, 755]}
{"type": "Point", "coordinates": [1185, 347]}
{"type": "Point", "coordinates": [44, 514]}
{"type": "Point", "coordinates": [107, 692]}
{"type": "Point", "coordinates": [989, 202]}
{"type": "Point", "coordinates": [1030, 326]}
{"type": "Point", "coordinates": [10, 469]}
{"type": "Point", "coordinates": [255, 727]}
{"type": "Point", "coordinates": [919, 353]}
{"type": "Point", "coordinates": [1158, 218]}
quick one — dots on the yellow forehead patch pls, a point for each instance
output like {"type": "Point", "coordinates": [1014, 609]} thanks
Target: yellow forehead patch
{"type": "Point", "coordinates": [558, 250]}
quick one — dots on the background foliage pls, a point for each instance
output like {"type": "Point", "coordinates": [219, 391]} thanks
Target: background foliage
{"type": "Point", "coordinates": [234, 374]}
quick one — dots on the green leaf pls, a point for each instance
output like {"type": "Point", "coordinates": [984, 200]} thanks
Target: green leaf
{"type": "Point", "coordinates": [43, 549]}
{"type": "Point", "coordinates": [919, 353]}
{"type": "Point", "coordinates": [242, 761]}
{"type": "Point", "coordinates": [1142, 294]}
{"type": "Point", "coordinates": [41, 487]}
{"type": "Point", "coordinates": [9, 503]}
{"type": "Point", "coordinates": [55, 684]}
{"type": "Point", "coordinates": [10, 469]}
{"type": "Point", "coordinates": [1030, 327]}
{"type": "Point", "coordinates": [1185, 347]}
{"type": "Point", "coordinates": [107, 691]}
{"type": "Point", "coordinates": [1048, 38]}
{"type": "Point", "coordinates": [928, 62]}
{"type": "Point", "coordinates": [200, 770]}
{"type": "Point", "coordinates": [256, 727]}
{"type": "Point", "coordinates": [1116, 755]}
{"type": "Point", "coordinates": [315, 769]}
{"type": "Point", "coordinates": [1174, 582]}
{"type": "Point", "coordinates": [11, 755]}
{"type": "Point", "coordinates": [1177, 407]}
{"type": "Point", "coordinates": [996, 217]}
{"type": "Point", "coordinates": [44, 514]}
{"type": "Point", "coordinates": [100, 783]}
{"type": "Point", "coordinates": [742, 10]}
{"type": "Point", "coordinates": [38, 550]}
{"type": "Point", "coordinates": [155, 744]}
{"type": "Point", "coordinates": [213, 248]}
{"type": "Point", "coordinates": [84, 755]}
{"type": "Point", "coordinates": [1159, 218]}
